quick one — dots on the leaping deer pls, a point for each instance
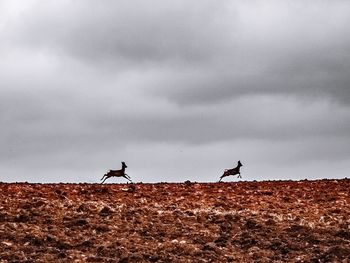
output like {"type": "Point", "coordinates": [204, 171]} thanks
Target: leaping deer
{"type": "Point", "coordinates": [116, 173]}
{"type": "Point", "coordinates": [232, 171]}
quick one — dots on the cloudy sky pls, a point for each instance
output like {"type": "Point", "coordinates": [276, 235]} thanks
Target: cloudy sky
{"type": "Point", "coordinates": [179, 90]}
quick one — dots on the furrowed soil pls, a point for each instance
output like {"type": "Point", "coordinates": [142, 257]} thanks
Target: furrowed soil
{"type": "Point", "coordinates": [277, 221]}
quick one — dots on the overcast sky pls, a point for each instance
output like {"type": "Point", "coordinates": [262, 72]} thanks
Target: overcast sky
{"type": "Point", "coordinates": [179, 90]}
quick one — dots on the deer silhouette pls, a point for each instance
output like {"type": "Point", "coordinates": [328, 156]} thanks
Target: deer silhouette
{"type": "Point", "coordinates": [116, 173]}
{"type": "Point", "coordinates": [232, 171]}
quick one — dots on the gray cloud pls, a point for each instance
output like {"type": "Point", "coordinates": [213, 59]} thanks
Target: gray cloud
{"type": "Point", "coordinates": [201, 84]}
{"type": "Point", "coordinates": [218, 51]}
{"type": "Point", "coordinates": [237, 120]}
{"type": "Point", "coordinates": [119, 33]}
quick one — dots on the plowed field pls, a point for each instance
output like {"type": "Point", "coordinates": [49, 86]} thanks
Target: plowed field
{"type": "Point", "coordinates": [277, 221]}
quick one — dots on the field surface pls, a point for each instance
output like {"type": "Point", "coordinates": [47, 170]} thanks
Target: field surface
{"type": "Point", "coordinates": [279, 221]}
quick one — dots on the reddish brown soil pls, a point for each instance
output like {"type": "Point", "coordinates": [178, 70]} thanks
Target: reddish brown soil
{"type": "Point", "coordinates": [306, 221]}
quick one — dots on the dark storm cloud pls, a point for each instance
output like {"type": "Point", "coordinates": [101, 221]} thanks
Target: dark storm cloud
{"type": "Point", "coordinates": [215, 87]}
{"type": "Point", "coordinates": [316, 70]}
{"type": "Point", "coordinates": [119, 32]}
{"type": "Point", "coordinates": [84, 85]}
{"type": "Point", "coordinates": [215, 51]}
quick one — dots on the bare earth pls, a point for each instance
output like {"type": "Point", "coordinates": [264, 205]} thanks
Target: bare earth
{"type": "Point", "coordinates": [305, 221]}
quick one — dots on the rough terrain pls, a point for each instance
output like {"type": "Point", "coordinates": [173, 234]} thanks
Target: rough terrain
{"type": "Point", "coordinates": [277, 221]}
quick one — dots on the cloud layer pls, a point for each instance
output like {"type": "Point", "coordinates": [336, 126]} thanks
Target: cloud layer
{"type": "Point", "coordinates": [178, 89]}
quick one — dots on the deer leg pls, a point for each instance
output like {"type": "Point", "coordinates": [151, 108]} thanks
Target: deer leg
{"type": "Point", "coordinates": [239, 175]}
{"type": "Point", "coordinates": [103, 177]}
{"type": "Point", "coordinates": [222, 176]}
{"type": "Point", "coordinates": [127, 178]}
{"type": "Point", "coordinates": [104, 180]}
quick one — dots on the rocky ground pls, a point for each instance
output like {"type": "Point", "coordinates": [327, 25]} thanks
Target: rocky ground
{"type": "Point", "coordinates": [284, 221]}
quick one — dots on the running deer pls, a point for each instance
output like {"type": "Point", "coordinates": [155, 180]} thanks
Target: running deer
{"type": "Point", "coordinates": [116, 173]}
{"type": "Point", "coordinates": [232, 171]}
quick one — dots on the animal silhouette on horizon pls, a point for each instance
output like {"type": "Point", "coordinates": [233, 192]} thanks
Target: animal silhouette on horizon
{"type": "Point", "coordinates": [116, 173]}
{"type": "Point", "coordinates": [232, 171]}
